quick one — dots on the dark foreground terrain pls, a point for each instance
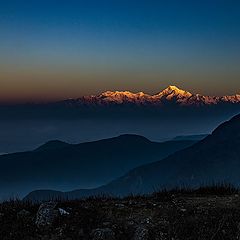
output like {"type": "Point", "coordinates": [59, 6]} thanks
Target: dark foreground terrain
{"type": "Point", "coordinates": [206, 213]}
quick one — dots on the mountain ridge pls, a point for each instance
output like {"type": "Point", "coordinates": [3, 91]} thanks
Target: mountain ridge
{"type": "Point", "coordinates": [60, 165]}
{"type": "Point", "coordinates": [171, 94]}
{"type": "Point", "coordinates": [216, 158]}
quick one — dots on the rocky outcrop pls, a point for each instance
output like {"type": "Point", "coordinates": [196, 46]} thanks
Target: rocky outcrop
{"type": "Point", "coordinates": [46, 214]}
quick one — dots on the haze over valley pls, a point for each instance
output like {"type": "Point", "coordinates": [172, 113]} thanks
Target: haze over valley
{"type": "Point", "coordinates": [27, 126]}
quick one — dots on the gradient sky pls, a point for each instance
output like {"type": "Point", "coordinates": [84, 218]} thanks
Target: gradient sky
{"type": "Point", "coordinates": [64, 49]}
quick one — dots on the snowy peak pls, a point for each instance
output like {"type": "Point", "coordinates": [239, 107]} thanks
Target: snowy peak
{"type": "Point", "coordinates": [232, 99]}
{"type": "Point", "coordinates": [174, 89]}
{"type": "Point", "coordinates": [123, 96]}
{"type": "Point", "coordinates": [168, 93]}
{"type": "Point", "coordinates": [121, 93]}
{"type": "Point", "coordinates": [171, 94]}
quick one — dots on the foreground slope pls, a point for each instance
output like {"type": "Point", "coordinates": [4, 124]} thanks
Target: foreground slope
{"type": "Point", "coordinates": [207, 213]}
{"type": "Point", "coordinates": [214, 159]}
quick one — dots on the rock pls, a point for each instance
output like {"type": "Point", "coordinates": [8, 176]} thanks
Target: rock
{"type": "Point", "coordinates": [183, 210]}
{"type": "Point", "coordinates": [119, 205]}
{"type": "Point", "coordinates": [141, 233]}
{"type": "Point", "coordinates": [46, 214]}
{"type": "Point", "coordinates": [63, 212]}
{"type": "Point", "coordinates": [105, 224]}
{"type": "Point", "coordinates": [103, 234]}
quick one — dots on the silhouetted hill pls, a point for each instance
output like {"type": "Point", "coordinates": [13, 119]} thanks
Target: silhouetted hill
{"type": "Point", "coordinates": [214, 159]}
{"type": "Point", "coordinates": [190, 137]}
{"type": "Point", "coordinates": [67, 166]}
{"type": "Point", "coordinates": [52, 145]}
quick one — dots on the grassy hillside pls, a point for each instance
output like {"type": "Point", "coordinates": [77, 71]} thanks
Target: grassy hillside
{"type": "Point", "coordinates": [205, 213]}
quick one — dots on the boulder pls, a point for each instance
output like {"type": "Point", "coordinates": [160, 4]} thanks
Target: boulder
{"type": "Point", "coordinates": [103, 234]}
{"type": "Point", "coordinates": [46, 214]}
{"type": "Point", "coordinates": [141, 233]}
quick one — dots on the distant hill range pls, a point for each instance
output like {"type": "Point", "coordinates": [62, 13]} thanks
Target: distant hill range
{"type": "Point", "coordinates": [216, 158]}
{"type": "Point", "coordinates": [63, 166]}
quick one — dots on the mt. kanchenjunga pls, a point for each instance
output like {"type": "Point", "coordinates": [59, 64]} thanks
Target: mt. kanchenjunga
{"type": "Point", "coordinates": [171, 94]}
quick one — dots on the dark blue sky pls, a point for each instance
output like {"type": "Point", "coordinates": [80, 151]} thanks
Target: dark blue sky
{"type": "Point", "coordinates": [58, 49]}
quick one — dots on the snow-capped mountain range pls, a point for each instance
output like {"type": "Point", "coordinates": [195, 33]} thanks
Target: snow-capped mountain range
{"type": "Point", "coordinates": [171, 94]}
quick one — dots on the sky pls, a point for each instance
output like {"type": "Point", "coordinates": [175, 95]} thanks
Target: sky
{"type": "Point", "coordinates": [52, 50]}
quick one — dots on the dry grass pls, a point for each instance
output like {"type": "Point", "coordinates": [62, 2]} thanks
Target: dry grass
{"type": "Point", "coordinates": [204, 213]}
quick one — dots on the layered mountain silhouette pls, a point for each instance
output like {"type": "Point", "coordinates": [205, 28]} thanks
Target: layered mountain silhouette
{"type": "Point", "coordinates": [61, 165]}
{"type": "Point", "coordinates": [216, 158]}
